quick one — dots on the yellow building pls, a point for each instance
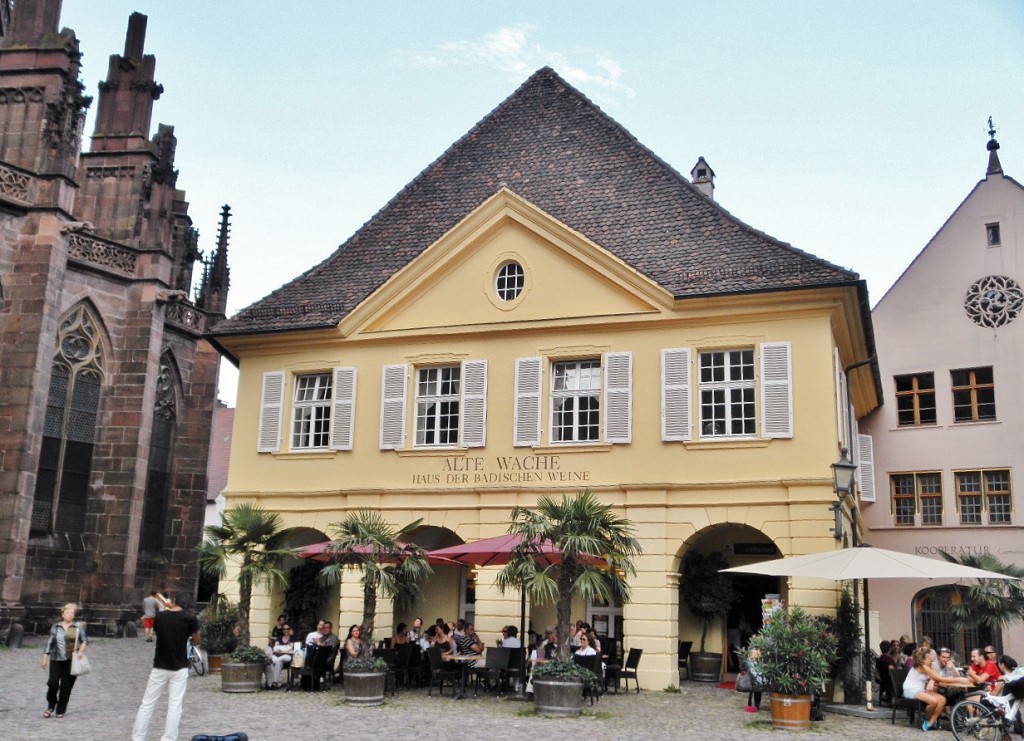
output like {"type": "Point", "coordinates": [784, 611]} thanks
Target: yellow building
{"type": "Point", "coordinates": [549, 306]}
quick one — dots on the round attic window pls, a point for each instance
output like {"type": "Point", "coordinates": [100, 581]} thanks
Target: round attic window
{"type": "Point", "coordinates": [509, 281]}
{"type": "Point", "coordinates": [994, 301]}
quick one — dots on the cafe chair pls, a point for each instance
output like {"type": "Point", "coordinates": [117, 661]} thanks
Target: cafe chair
{"type": "Point", "coordinates": [493, 671]}
{"type": "Point", "coordinates": [390, 657]}
{"type": "Point", "coordinates": [899, 702]}
{"type": "Point", "coordinates": [439, 674]}
{"type": "Point", "coordinates": [614, 672]}
{"type": "Point", "coordinates": [684, 658]}
{"type": "Point", "coordinates": [593, 663]}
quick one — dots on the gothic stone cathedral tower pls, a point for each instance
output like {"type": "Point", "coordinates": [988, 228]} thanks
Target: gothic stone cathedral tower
{"type": "Point", "coordinates": [107, 386]}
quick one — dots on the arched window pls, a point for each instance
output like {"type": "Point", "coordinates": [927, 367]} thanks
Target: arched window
{"type": "Point", "coordinates": [933, 619]}
{"type": "Point", "coordinates": [161, 447]}
{"type": "Point", "coordinates": [69, 432]}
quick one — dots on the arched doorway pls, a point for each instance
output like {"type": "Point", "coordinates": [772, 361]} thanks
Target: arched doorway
{"type": "Point", "coordinates": [449, 592]}
{"type": "Point", "coordinates": [304, 600]}
{"type": "Point", "coordinates": [737, 544]}
{"type": "Point", "coordinates": [932, 618]}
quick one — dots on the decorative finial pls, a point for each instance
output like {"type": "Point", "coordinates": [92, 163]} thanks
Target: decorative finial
{"type": "Point", "coordinates": [994, 166]}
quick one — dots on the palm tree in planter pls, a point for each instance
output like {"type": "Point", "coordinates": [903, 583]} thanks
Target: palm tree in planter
{"type": "Point", "coordinates": [365, 542]}
{"type": "Point", "coordinates": [709, 595]}
{"type": "Point", "coordinates": [597, 550]}
{"type": "Point", "coordinates": [989, 604]}
{"type": "Point", "coordinates": [253, 540]}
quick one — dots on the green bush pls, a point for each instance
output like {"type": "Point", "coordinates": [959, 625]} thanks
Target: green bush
{"type": "Point", "coordinates": [559, 669]}
{"type": "Point", "coordinates": [249, 655]}
{"type": "Point", "coordinates": [365, 664]}
{"type": "Point", "coordinates": [792, 654]}
{"type": "Point", "coordinates": [216, 624]}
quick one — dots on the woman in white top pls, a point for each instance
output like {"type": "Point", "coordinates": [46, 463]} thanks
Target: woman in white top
{"type": "Point", "coordinates": [920, 685]}
{"type": "Point", "coordinates": [585, 648]}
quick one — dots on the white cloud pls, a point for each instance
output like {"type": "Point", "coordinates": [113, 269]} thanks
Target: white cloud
{"type": "Point", "coordinates": [510, 49]}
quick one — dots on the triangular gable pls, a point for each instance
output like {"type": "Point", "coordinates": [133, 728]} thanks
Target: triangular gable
{"type": "Point", "coordinates": [451, 284]}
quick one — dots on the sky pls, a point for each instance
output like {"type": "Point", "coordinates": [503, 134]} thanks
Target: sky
{"type": "Point", "coordinates": [849, 130]}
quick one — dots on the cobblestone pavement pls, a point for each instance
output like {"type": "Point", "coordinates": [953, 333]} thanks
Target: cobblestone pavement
{"type": "Point", "coordinates": [104, 704]}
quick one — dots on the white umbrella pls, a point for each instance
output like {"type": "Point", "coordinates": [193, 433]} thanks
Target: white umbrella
{"type": "Point", "coordinates": [865, 562]}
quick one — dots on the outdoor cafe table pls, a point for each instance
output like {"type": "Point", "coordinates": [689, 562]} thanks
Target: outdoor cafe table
{"type": "Point", "coordinates": [464, 660]}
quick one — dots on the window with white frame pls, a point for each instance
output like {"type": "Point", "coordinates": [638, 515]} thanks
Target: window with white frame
{"type": "Point", "coordinates": [509, 281]}
{"type": "Point", "coordinates": [322, 413]}
{"type": "Point", "coordinates": [449, 405]}
{"type": "Point", "coordinates": [727, 393]}
{"type": "Point", "coordinates": [311, 411]}
{"type": "Point", "coordinates": [437, 405]}
{"type": "Point", "coordinates": [576, 401]}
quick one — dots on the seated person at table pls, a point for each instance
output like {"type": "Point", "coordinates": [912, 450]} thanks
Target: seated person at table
{"type": "Point", "coordinates": [281, 654]}
{"type": "Point", "coordinates": [327, 637]}
{"type": "Point", "coordinates": [353, 643]}
{"type": "Point", "coordinates": [594, 641]}
{"type": "Point", "coordinates": [278, 630]}
{"type": "Point", "coordinates": [585, 648]}
{"type": "Point", "coordinates": [314, 635]}
{"type": "Point", "coordinates": [883, 665]}
{"type": "Point", "coordinates": [1009, 672]}
{"type": "Point", "coordinates": [400, 635]}
{"type": "Point", "coordinates": [469, 644]}
{"type": "Point", "coordinates": [982, 670]}
{"type": "Point", "coordinates": [946, 668]}
{"type": "Point", "coordinates": [510, 637]}
{"type": "Point", "coordinates": [921, 683]}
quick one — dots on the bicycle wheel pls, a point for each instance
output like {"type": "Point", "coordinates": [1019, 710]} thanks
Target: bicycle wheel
{"type": "Point", "coordinates": [972, 721]}
{"type": "Point", "coordinates": [196, 659]}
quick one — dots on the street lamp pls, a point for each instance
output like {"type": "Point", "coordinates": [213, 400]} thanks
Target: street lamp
{"type": "Point", "coordinates": [842, 475]}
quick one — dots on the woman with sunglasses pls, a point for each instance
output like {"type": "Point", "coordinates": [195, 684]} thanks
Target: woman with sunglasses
{"type": "Point", "coordinates": [281, 656]}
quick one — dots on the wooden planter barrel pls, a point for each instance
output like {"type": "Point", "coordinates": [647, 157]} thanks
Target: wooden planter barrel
{"type": "Point", "coordinates": [559, 697]}
{"type": "Point", "coordinates": [705, 667]}
{"type": "Point", "coordinates": [241, 677]}
{"type": "Point", "coordinates": [792, 712]}
{"type": "Point", "coordinates": [364, 688]}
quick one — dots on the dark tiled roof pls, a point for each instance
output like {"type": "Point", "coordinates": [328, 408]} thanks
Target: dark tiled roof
{"type": "Point", "coordinates": [553, 147]}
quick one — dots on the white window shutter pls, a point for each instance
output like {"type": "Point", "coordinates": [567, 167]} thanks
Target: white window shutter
{"type": "Point", "coordinates": [675, 394]}
{"type": "Point", "coordinates": [777, 389]}
{"type": "Point", "coordinates": [392, 407]}
{"type": "Point", "coordinates": [866, 467]}
{"type": "Point", "coordinates": [343, 414]}
{"type": "Point", "coordinates": [526, 421]}
{"type": "Point", "coordinates": [618, 397]}
{"type": "Point", "coordinates": [473, 409]}
{"type": "Point", "coordinates": [271, 409]}
{"type": "Point", "coordinates": [842, 403]}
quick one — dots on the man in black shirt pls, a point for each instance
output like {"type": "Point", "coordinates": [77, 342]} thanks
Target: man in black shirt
{"type": "Point", "coordinates": [174, 626]}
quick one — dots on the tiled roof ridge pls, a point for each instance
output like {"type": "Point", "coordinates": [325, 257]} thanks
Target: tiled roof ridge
{"type": "Point", "coordinates": [672, 170]}
{"type": "Point", "coordinates": [285, 308]}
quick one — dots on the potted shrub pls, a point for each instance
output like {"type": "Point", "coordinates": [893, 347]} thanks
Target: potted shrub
{"type": "Point", "coordinates": [558, 687]}
{"type": "Point", "coordinates": [708, 594]}
{"type": "Point", "coordinates": [242, 669]}
{"type": "Point", "coordinates": [790, 657]}
{"type": "Point", "coordinates": [253, 540]}
{"type": "Point", "coordinates": [597, 548]}
{"type": "Point", "coordinates": [366, 543]}
{"type": "Point", "coordinates": [364, 680]}
{"type": "Point", "coordinates": [217, 623]}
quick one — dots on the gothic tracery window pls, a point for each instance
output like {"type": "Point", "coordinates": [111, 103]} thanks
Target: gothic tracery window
{"type": "Point", "coordinates": [69, 428]}
{"type": "Point", "coordinates": [161, 447]}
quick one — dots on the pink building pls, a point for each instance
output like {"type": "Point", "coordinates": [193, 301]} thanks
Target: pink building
{"type": "Point", "coordinates": [947, 442]}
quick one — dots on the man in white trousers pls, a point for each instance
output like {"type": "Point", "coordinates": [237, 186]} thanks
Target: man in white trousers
{"type": "Point", "coordinates": [174, 626]}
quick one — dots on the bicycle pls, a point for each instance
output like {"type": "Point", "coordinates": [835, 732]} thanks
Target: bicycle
{"type": "Point", "coordinates": [195, 659]}
{"type": "Point", "coordinates": [989, 718]}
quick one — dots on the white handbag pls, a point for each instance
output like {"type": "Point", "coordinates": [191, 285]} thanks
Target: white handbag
{"type": "Point", "coordinates": [79, 664]}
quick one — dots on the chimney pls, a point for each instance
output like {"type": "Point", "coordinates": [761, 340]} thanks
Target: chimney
{"type": "Point", "coordinates": [703, 178]}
